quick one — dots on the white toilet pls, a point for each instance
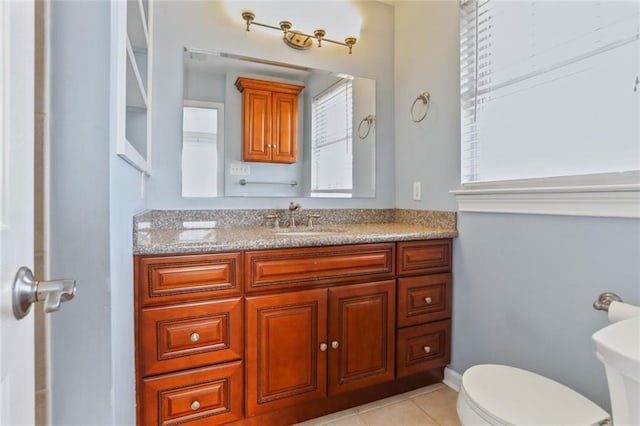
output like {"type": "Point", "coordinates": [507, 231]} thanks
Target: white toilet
{"type": "Point", "coordinates": [502, 395]}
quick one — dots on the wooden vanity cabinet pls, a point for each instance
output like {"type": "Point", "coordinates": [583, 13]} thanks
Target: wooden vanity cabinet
{"type": "Point", "coordinates": [269, 120]}
{"type": "Point", "coordinates": [424, 306]}
{"type": "Point", "coordinates": [310, 344]}
{"type": "Point", "coordinates": [278, 336]}
{"type": "Point", "coordinates": [189, 348]}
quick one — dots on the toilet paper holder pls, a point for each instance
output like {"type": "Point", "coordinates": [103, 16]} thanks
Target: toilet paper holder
{"type": "Point", "coordinates": [604, 300]}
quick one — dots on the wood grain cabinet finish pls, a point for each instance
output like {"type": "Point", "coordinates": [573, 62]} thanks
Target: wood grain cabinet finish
{"type": "Point", "coordinates": [424, 306]}
{"type": "Point", "coordinates": [171, 279]}
{"type": "Point", "coordinates": [205, 396]}
{"type": "Point", "coordinates": [189, 315]}
{"type": "Point", "coordinates": [268, 270]}
{"type": "Point", "coordinates": [277, 336]}
{"type": "Point", "coordinates": [285, 362]}
{"type": "Point", "coordinates": [424, 257]}
{"type": "Point", "coordinates": [190, 335]}
{"type": "Point", "coordinates": [424, 298]}
{"type": "Point", "coordinates": [423, 347]}
{"type": "Point", "coordinates": [299, 341]}
{"type": "Point", "coordinates": [270, 120]}
{"type": "Point", "coordinates": [361, 335]}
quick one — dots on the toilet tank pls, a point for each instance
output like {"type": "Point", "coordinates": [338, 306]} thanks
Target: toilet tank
{"type": "Point", "coordinates": [618, 347]}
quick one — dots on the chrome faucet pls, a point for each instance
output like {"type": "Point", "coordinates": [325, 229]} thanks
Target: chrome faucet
{"type": "Point", "coordinates": [292, 209]}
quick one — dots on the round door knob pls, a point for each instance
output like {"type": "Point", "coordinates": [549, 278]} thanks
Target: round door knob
{"type": "Point", "coordinates": [427, 349]}
{"type": "Point", "coordinates": [194, 337]}
{"type": "Point", "coordinates": [427, 300]}
{"type": "Point", "coordinates": [195, 405]}
{"type": "Point", "coordinates": [335, 344]}
{"type": "Point", "coordinates": [323, 347]}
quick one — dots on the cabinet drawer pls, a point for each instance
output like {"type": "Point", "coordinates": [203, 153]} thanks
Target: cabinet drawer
{"type": "Point", "coordinates": [286, 268]}
{"type": "Point", "coordinates": [190, 335]}
{"type": "Point", "coordinates": [424, 298]}
{"type": "Point", "coordinates": [423, 347]}
{"type": "Point", "coordinates": [424, 257]}
{"type": "Point", "coordinates": [171, 279]}
{"type": "Point", "coordinates": [206, 396]}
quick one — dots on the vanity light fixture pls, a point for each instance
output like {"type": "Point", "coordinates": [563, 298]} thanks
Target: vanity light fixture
{"type": "Point", "coordinates": [297, 39]}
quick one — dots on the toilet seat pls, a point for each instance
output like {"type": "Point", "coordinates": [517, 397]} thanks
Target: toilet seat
{"type": "Point", "coordinates": [503, 395]}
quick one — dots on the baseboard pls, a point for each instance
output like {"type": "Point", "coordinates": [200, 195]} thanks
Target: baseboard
{"type": "Point", "coordinates": [452, 378]}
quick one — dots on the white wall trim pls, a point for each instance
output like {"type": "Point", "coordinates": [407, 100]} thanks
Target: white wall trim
{"type": "Point", "coordinates": [452, 378]}
{"type": "Point", "coordinates": [603, 195]}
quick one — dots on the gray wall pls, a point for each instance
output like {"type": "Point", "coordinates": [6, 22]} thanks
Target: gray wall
{"type": "Point", "coordinates": [94, 195]}
{"type": "Point", "coordinates": [523, 284]}
{"type": "Point", "coordinates": [205, 25]}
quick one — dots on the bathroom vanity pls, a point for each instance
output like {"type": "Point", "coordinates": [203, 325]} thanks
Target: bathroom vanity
{"type": "Point", "coordinates": [267, 328]}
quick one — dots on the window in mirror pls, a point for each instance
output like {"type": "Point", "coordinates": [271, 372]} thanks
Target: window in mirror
{"type": "Point", "coordinates": [202, 144]}
{"type": "Point", "coordinates": [331, 142]}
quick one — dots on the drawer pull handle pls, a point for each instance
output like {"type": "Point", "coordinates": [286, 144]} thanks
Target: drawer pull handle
{"type": "Point", "coordinates": [427, 300]}
{"type": "Point", "coordinates": [427, 349]}
{"type": "Point", "coordinates": [194, 338]}
{"type": "Point", "coordinates": [323, 347]}
{"type": "Point", "coordinates": [335, 344]}
{"type": "Point", "coordinates": [195, 405]}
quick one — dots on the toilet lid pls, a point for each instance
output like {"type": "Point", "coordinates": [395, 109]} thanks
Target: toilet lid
{"type": "Point", "coordinates": [511, 396]}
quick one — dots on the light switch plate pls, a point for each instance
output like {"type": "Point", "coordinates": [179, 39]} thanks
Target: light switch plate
{"type": "Point", "coordinates": [417, 191]}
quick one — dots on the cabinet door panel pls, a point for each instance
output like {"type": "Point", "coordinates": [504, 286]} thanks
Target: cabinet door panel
{"type": "Point", "coordinates": [285, 365]}
{"type": "Point", "coordinates": [361, 321]}
{"type": "Point", "coordinates": [257, 127]}
{"type": "Point", "coordinates": [284, 128]}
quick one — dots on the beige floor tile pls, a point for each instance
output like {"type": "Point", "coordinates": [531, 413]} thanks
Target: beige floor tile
{"type": "Point", "coordinates": [330, 418]}
{"type": "Point", "coordinates": [426, 389]}
{"type": "Point", "coordinates": [380, 403]}
{"type": "Point", "coordinates": [403, 413]}
{"type": "Point", "coordinates": [440, 405]}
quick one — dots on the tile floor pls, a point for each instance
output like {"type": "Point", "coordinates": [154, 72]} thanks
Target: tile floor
{"type": "Point", "coordinates": [431, 405]}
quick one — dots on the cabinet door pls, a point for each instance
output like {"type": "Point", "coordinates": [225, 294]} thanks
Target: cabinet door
{"type": "Point", "coordinates": [361, 335]}
{"type": "Point", "coordinates": [285, 362]}
{"type": "Point", "coordinates": [284, 128]}
{"type": "Point", "coordinates": [257, 125]}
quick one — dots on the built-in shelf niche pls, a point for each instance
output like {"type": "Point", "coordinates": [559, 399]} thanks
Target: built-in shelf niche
{"type": "Point", "coordinates": [131, 33]}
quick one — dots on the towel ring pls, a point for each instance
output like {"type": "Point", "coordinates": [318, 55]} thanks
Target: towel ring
{"type": "Point", "coordinates": [425, 98]}
{"type": "Point", "coordinates": [370, 120]}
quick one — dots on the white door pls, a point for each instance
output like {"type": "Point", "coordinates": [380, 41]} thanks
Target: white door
{"type": "Point", "coordinates": [16, 206]}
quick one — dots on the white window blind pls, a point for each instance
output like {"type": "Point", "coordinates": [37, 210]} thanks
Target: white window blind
{"type": "Point", "coordinates": [332, 136]}
{"type": "Point", "coordinates": [549, 88]}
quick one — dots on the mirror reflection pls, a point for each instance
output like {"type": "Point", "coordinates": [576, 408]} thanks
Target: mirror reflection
{"type": "Point", "coordinates": [335, 131]}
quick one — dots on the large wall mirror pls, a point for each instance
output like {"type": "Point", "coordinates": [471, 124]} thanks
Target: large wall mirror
{"type": "Point", "coordinates": [336, 136]}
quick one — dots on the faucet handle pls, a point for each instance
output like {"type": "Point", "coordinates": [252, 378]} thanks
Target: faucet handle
{"type": "Point", "coordinates": [310, 218]}
{"type": "Point", "coordinates": [276, 220]}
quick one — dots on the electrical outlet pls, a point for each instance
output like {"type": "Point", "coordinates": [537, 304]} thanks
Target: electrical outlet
{"type": "Point", "coordinates": [417, 191]}
{"type": "Point", "coordinates": [239, 169]}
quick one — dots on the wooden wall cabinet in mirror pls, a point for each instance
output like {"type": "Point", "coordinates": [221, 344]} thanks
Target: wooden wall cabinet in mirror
{"type": "Point", "coordinates": [269, 120]}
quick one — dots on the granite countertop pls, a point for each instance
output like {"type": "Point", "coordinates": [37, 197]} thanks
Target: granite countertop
{"type": "Point", "coordinates": [207, 239]}
{"type": "Point", "coordinates": [166, 241]}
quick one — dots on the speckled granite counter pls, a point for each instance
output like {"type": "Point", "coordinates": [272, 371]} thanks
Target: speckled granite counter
{"type": "Point", "coordinates": [168, 232]}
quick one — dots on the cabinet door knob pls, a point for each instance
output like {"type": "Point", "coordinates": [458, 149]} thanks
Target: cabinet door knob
{"type": "Point", "coordinates": [194, 337]}
{"type": "Point", "coordinates": [427, 300]}
{"type": "Point", "coordinates": [323, 347]}
{"type": "Point", "coordinates": [195, 405]}
{"type": "Point", "coordinates": [335, 344]}
{"type": "Point", "coordinates": [427, 349]}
